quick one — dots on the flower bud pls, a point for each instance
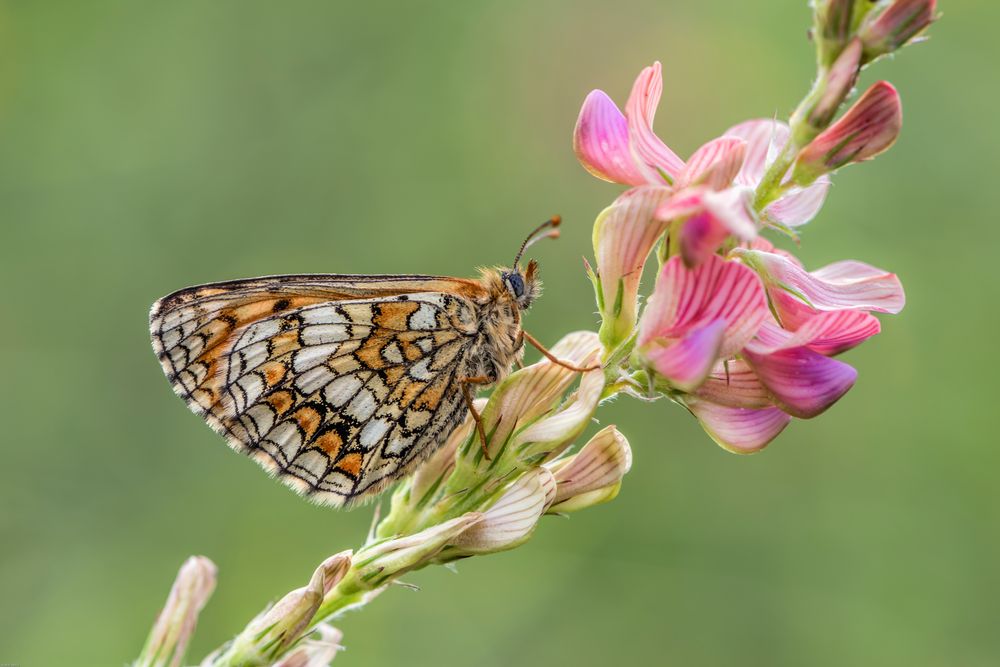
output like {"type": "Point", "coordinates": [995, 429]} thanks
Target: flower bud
{"type": "Point", "coordinates": [510, 521]}
{"type": "Point", "coordinates": [278, 627]}
{"type": "Point", "coordinates": [899, 22]}
{"type": "Point", "coordinates": [175, 624]}
{"type": "Point", "coordinates": [838, 81]}
{"type": "Point", "coordinates": [376, 565]}
{"type": "Point", "coordinates": [318, 650]}
{"type": "Point", "coordinates": [868, 128]}
{"type": "Point", "coordinates": [832, 27]}
{"type": "Point", "coordinates": [588, 477]}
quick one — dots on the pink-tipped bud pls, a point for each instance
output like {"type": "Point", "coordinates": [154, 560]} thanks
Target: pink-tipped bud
{"type": "Point", "coordinates": [832, 27]}
{"type": "Point", "coordinates": [839, 81]}
{"type": "Point", "coordinates": [867, 129]}
{"type": "Point", "coordinates": [899, 22]}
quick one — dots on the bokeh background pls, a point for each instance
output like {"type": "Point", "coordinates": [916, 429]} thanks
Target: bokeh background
{"type": "Point", "coordinates": [148, 146]}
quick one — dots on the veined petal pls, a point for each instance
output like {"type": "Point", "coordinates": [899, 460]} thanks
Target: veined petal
{"type": "Point", "coordinates": [551, 435]}
{"type": "Point", "coordinates": [765, 138]}
{"type": "Point", "coordinates": [804, 383]}
{"type": "Point", "coordinates": [796, 294]}
{"type": "Point", "coordinates": [714, 217]}
{"type": "Point", "coordinates": [734, 384]}
{"type": "Point", "coordinates": [601, 141]}
{"type": "Point", "coordinates": [646, 146]}
{"type": "Point", "coordinates": [509, 522]}
{"type": "Point", "coordinates": [799, 205]}
{"type": "Point", "coordinates": [715, 164]}
{"type": "Point", "coordinates": [739, 430]}
{"type": "Point", "coordinates": [717, 289]}
{"type": "Point", "coordinates": [603, 461]}
{"type": "Point", "coordinates": [624, 235]}
{"type": "Point", "coordinates": [688, 361]}
{"type": "Point", "coordinates": [829, 333]}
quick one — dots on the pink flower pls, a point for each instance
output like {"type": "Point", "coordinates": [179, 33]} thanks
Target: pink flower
{"type": "Point", "coordinates": [622, 148]}
{"type": "Point", "coordinates": [868, 128]}
{"type": "Point", "coordinates": [698, 316]}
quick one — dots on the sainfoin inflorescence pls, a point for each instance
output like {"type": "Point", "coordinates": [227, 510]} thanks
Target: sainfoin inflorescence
{"type": "Point", "coordinates": [732, 328]}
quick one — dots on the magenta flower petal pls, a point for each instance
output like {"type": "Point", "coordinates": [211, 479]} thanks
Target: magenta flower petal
{"type": "Point", "coordinates": [646, 146]}
{"type": "Point", "coordinates": [715, 164]}
{"type": "Point", "coordinates": [804, 383]}
{"type": "Point", "coordinates": [828, 333]}
{"type": "Point", "coordinates": [687, 362]}
{"type": "Point", "coordinates": [739, 430]}
{"type": "Point", "coordinates": [734, 384]}
{"type": "Point", "coordinates": [601, 141]}
{"type": "Point", "coordinates": [700, 237]}
{"type": "Point", "coordinates": [714, 216]}
{"type": "Point", "coordinates": [796, 294]}
{"type": "Point", "coordinates": [685, 299]}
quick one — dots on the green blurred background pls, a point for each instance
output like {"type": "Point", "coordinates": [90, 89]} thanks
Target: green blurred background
{"type": "Point", "coordinates": [148, 146]}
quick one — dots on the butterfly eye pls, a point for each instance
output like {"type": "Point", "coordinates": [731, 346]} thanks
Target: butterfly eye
{"type": "Point", "coordinates": [515, 283]}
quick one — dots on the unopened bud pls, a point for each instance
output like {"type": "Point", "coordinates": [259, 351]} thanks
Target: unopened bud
{"type": "Point", "coordinates": [868, 128]}
{"type": "Point", "coordinates": [896, 24]}
{"type": "Point", "coordinates": [169, 638]}
{"type": "Point", "coordinates": [597, 467]}
{"type": "Point", "coordinates": [832, 27]}
{"type": "Point", "coordinates": [838, 82]}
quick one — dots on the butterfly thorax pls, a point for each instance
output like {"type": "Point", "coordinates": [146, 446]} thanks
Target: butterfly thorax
{"type": "Point", "coordinates": [506, 293]}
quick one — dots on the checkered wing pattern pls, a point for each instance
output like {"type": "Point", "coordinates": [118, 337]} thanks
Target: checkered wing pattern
{"type": "Point", "coordinates": [339, 385]}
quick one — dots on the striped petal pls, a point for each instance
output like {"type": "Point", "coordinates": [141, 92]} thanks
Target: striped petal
{"type": "Point", "coordinates": [712, 218]}
{"type": "Point", "coordinates": [739, 430]}
{"type": "Point", "coordinates": [804, 383]}
{"type": "Point", "coordinates": [734, 384]}
{"type": "Point", "coordinates": [603, 461]}
{"type": "Point", "coordinates": [646, 146]}
{"type": "Point", "coordinates": [764, 140]}
{"type": "Point", "coordinates": [624, 235]}
{"type": "Point", "coordinates": [510, 521]}
{"type": "Point", "coordinates": [601, 141]}
{"type": "Point", "coordinates": [716, 290]}
{"type": "Point", "coordinates": [715, 164]}
{"type": "Point", "coordinates": [828, 333]}
{"type": "Point", "coordinates": [687, 361]}
{"type": "Point", "coordinates": [797, 295]}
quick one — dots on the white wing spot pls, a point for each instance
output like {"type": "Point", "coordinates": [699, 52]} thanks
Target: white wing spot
{"type": "Point", "coordinates": [373, 432]}
{"type": "Point", "coordinates": [342, 390]}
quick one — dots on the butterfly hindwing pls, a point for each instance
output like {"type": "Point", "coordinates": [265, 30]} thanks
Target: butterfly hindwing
{"type": "Point", "coordinates": [338, 384]}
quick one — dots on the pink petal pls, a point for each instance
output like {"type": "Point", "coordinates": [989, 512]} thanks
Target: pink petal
{"type": "Point", "coordinates": [715, 164]}
{"type": "Point", "coordinates": [601, 142]}
{"type": "Point", "coordinates": [717, 289]}
{"type": "Point", "coordinates": [841, 286]}
{"type": "Point", "coordinates": [686, 362]}
{"type": "Point", "coordinates": [765, 138]}
{"type": "Point", "coordinates": [639, 111]}
{"type": "Point", "coordinates": [624, 235]}
{"type": "Point", "coordinates": [868, 128]}
{"type": "Point", "coordinates": [734, 384]}
{"type": "Point", "coordinates": [714, 217]}
{"type": "Point", "coordinates": [739, 430]}
{"type": "Point", "coordinates": [800, 205]}
{"type": "Point", "coordinates": [804, 383]}
{"type": "Point", "coordinates": [829, 333]}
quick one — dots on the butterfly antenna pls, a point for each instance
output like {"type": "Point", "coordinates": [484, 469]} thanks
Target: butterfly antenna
{"type": "Point", "coordinates": [550, 229]}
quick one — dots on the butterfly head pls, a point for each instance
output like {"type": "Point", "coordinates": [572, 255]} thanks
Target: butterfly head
{"type": "Point", "coordinates": [524, 286]}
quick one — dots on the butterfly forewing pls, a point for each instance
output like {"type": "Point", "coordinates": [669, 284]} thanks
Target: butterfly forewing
{"type": "Point", "coordinates": [338, 384]}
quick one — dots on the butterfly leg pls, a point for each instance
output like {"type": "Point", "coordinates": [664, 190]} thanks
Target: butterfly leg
{"type": "Point", "coordinates": [551, 357]}
{"type": "Point", "coordinates": [467, 393]}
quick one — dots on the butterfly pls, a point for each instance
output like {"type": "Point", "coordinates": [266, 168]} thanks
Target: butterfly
{"type": "Point", "coordinates": [342, 384]}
